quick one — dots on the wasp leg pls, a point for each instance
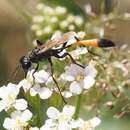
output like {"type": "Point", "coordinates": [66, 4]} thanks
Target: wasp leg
{"type": "Point", "coordinates": [77, 39]}
{"type": "Point", "coordinates": [34, 72]}
{"type": "Point", "coordinates": [57, 85]}
{"type": "Point", "coordinates": [62, 48]}
{"type": "Point", "coordinates": [39, 43]}
{"type": "Point", "coordinates": [95, 54]}
{"type": "Point", "coordinates": [72, 59]}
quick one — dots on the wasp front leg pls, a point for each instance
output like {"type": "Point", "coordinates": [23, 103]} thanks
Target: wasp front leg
{"type": "Point", "coordinates": [34, 72]}
{"type": "Point", "coordinates": [57, 85]}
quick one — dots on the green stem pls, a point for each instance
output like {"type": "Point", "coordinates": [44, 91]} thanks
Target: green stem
{"type": "Point", "coordinates": [78, 103]}
{"type": "Point", "coordinates": [39, 112]}
{"type": "Point", "coordinates": [35, 103]}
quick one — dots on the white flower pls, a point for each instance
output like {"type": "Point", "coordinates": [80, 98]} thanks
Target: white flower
{"type": "Point", "coordinates": [88, 8]}
{"type": "Point", "coordinates": [35, 27]}
{"type": "Point", "coordinates": [18, 121]}
{"type": "Point", "coordinates": [34, 128]}
{"type": "Point", "coordinates": [38, 19]}
{"type": "Point", "coordinates": [78, 20]}
{"type": "Point", "coordinates": [39, 32]}
{"type": "Point", "coordinates": [28, 82]}
{"type": "Point", "coordinates": [47, 29]}
{"type": "Point", "coordinates": [86, 125]}
{"type": "Point", "coordinates": [79, 51]}
{"type": "Point", "coordinates": [43, 92]}
{"type": "Point", "coordinates": [71, 27]}
{"type": "Point", "coordinates": [95, 121]}
{"type": "Point", "coordinates": [59, 120]}
{"type": "Point", "coordinates": [48, 10]}
{"type": "Point", "coordinates": [64, 120]}
{"type": "Point", "coordinates": [34, 79]}
{"type": "Point", "coordinates": [70, 18]}
{"type": "Point", "coordinates": [8, 95]}
{"type": "Point", "coordinates": [80, 78]}
{"type": "Point", "coordinates": [75, 88]}
{"type": "Point", "coordinates": [41, 76]}
{"type": "Point", "coordinates": [54, 19]}
{"type": "Point", "coordinates": [40, 6]}
{"type": "Point", "coordinates": [60, 10]}
{"type": "Point", "coordinates": [64, 24]}
{"type": "Point", "coordinates": [81, 35]}
{"type": "Point", "coordinates": [66, 94]}
{"type": "Point", "coordinates": [32, 84]}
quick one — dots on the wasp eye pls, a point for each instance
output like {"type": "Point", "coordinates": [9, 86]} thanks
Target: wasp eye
{"type": "Point", "coordinates": [25, 62]}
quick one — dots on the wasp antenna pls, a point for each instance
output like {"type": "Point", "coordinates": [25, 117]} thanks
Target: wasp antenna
{"type": "Point", "coordinates": [39, 43]}
{"type": "Point", "coordinates": [77, 39]}
{"type": "Point", "coordinates": [14, 73]}
{"type": "Point", "coordinates": [105, 43]}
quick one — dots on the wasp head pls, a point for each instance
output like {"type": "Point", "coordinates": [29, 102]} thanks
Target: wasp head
{"type": "Point", "coordinates": [25, 63]}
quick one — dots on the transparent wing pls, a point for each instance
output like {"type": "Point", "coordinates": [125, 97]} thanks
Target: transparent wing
{"type": "Point", "coordinates": [57, 41]}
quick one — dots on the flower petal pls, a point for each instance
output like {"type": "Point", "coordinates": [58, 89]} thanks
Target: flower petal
{"type": "Point", "coordinates": [45, 93]}
{"type": "Point", "coordinates": [66, 94]}
{"type": "Point", "coordinates": [67, 77]}
{"type": "Point", "coordinates": [64, 126]}
{"type": "Point", "coordinates": [16, 114]}
{"type": "Point", "coordinates": [88, 82]}
{"type": "Point", "coordinates": [41, 76]}
{"type": "Point", "coordinates": [35, 89]}
{"type": "Point", "coordinates": [90, 71]}
{"type": "Point", "coordinates": [52, 113]}
{"type": "Point", "coordinates": [95, 121]}
{"type": "Point", "coordinates": [25, 84]}
{"type": "Point", "coordinates": [12, 88]}
{"type": "Point", "coordinates": [9, 124]}
{"type": "Point", "coordinates": [75, 88]}
{"type": "Point", "coordinates": [34, 128]}
{"type": "Point", "coordinates": [79, 51]}
{"type": "Point", "coordinates": [3, 105]}
{"type": "Point", "coordinates": [69, 110]}
{"type": "Point", "coordinates": [74, 70]}
{"type": "Point", "coordinates": [26, 115]}
{"type": "Point", "coordinates": [3, 93]}
{"type": "Point", "coordinates": [79, 123]}
{"type": "Point", "coordinates": [20, 104]}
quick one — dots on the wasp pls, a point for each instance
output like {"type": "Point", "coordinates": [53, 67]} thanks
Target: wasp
{"type": "Point", "coordinates": [54, 47]}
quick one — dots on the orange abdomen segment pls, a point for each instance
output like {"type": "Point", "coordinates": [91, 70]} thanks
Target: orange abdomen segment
{"type": "Point", "coordinates": [97, 43]}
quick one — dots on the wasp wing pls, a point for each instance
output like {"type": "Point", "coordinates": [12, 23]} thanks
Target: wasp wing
{"type": "Point", "coordinates": [56, 42]}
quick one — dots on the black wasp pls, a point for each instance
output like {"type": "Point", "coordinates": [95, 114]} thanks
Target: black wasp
{"type": "Point", "coordinates": [54, 47]}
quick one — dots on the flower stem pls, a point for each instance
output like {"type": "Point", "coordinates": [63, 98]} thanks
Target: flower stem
{"type": "Point", "coordinates": [78, 103]}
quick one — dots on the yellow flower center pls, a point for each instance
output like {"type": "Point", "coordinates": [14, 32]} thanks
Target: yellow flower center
{"type": "Point", "coordinates": [62, 117]}
{"type": "Point", "coordinates": [19, 124]}
{"type": "Point", "coordinates": [88, 126]}
{"type": "Point", "coordinates": [79, 77]}
{"type": "Point", "coordinates": [10, 99]}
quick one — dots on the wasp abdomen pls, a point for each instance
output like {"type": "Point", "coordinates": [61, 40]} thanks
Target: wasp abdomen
{"type": "Point", "coordinates": [105, 43]}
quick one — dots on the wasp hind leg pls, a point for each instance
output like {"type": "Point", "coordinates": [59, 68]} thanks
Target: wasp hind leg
{"type": "Point", "coordinates": [72, 59]}
{"type": "Point", "coordinates": [57, 85]}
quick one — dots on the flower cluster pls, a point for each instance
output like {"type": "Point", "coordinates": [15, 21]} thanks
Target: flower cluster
{"type": "Point", "coordinates": [40, 86]}
{"type": "Point", "coordinates": [80, 78]}
{"type": "Point", "coordinates": [64, 120]}
{"type": "Point", "coordinates": [52, 19]}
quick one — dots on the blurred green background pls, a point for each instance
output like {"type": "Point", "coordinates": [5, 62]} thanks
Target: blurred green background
{"type": "Point", "coordinates": [16, 37]}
